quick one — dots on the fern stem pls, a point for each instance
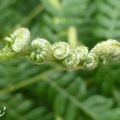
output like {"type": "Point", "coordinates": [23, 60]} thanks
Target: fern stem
{"type": "Point", "coordinates": [72, 99]}
{"type": "Point", "coordinates": [6, 54]}
{"type": "Point", "coordinates": [27, 82]}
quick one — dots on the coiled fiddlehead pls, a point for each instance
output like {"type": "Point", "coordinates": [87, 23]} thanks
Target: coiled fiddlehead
{"type": "Point", "coordinates": [107, 50]}
{"type": "Point", "coordinates": [91, 61]}
{"type": "Point", "coordinates": [72, 60]}
{"type": "Point", "coordinates": [19, 39]}
{"type": "Point", "coordinates": [41, 51]}
{"type": "Point", "coordinates": [82, 51]}
{"type": "Point", "coordinates": [60, 50]}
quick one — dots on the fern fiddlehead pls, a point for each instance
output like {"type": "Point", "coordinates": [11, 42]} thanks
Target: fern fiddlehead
{"type": "Point", "coordinates": [72, 60]}
{"type": "Point", "coordinates": [19, 39]}
{"type": "Point", "coordinates": [41, 51]}
{"type": "Point", "coordinates": [60, 50]}
{"type": "Point", "coordinates": [107, 51]}
{"type": "Point", "coordinates": [91, 61]}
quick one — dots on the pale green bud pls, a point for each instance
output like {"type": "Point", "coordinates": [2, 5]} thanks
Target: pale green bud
{"type": "Point", "coordinates": [20, 39]}
{"type": "Point", "coordinates": [91, 61]}
{"type": "Point", "coordinates": [107, 50]}
{"type": "Point", "coordinates": [82, 51]}
{"type": "Point", "coordinates": [41, 49]}
{"type": "Point", "coordinates": [72, 60]}
{"type": "Point", "coordinates": [60, 50]}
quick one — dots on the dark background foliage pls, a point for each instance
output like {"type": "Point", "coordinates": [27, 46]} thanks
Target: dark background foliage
{"type": "Point", "coordinates": [43, 92]}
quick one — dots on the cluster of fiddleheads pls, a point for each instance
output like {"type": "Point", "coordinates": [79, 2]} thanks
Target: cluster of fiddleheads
{"type": "Point", "coordinates": [42, 51]}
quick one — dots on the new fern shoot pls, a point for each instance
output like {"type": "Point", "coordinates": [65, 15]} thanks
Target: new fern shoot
{"type": "Point", "coordinates": [41, 51]}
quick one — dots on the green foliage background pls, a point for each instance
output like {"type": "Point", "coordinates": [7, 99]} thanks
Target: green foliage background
{"type": "Point", "coordinates": [44, 92]}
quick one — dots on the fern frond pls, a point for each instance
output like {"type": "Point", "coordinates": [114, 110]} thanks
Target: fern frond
{"type": "Point", "coordinates": [107, 19]}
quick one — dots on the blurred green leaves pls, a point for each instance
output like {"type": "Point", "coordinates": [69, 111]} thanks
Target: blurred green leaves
{"type": "Point", "coordinates": [62, 95]}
